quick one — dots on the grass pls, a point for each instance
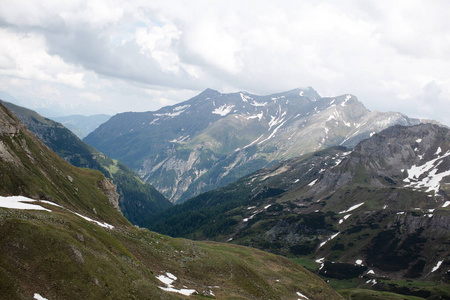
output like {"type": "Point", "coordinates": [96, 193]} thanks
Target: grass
{"type": "Point", "coordinates": [363, 294]}
{"type": "Point", "coordinates": [307, 263]}
{"type": "Point", "coordinates": [113, 168]}
{"type": "Point", "coordinates": [61, 256]}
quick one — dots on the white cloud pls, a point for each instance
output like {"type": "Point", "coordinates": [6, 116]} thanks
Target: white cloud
{"type": "Point", "coordinates": [25, 56]}
{"type": "Point", "coordinates": [158, 42]}
{"type": "Point", "coordinates": [91, 97]}
{"type": "Point", "coordinates": [150, 54]}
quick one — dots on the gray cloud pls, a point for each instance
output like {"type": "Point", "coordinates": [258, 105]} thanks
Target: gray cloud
{"type": "Point", "coordinates": [389, 54]}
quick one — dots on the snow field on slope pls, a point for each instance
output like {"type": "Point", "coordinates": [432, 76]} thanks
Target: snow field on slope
{"type": "Point", "coordinates": [20, 202]}
{"type": "Point", "coordinates": [431, 179]}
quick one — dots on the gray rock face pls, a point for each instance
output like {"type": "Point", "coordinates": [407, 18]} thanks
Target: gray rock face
{"type": "Point", "coordinates": [214, 139]}
{"type": "Point", "coordinates": [110, 190]}
{"type": "Point", "coordinates": [9, 125]}
{"type": "Point", "coordinates": [416, 157]}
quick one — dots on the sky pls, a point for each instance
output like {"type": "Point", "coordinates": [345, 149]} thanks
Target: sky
{"type": "Point", "coordinates": [106, 56]}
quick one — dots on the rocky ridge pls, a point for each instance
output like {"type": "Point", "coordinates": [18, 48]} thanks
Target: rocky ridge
{"type": "Point", "coordinates": [214, 139]}
{"type": "Point", "coordinates": [382, 206]}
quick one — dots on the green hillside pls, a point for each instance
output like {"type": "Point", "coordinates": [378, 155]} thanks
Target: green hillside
{"type": "Point", "coordinates": [81, 246]}
{"type": "Point", "coordinates": [137, 199]}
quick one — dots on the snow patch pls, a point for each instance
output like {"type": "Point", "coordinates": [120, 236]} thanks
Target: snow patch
{"type": "Point", "coordinates": [175, 112]}
{"type": "Point", "coordinates": [372, 281]}
{"type": "Point", "coordinates": [180, 139]}
{"type": "Point", "coordinates": [254, 103]}
{"type": "Point", "coordinates": [38, 297]}
{"type": "Point", "coordinates": [358, 262]}
{"type": "Point", "coordinates": [437, 266]}
{"type": "Point", "coordinates": [320, 261]}
{"type": "Point", "coordinates": [344, 218]}
{"type": "Point", "coordinates": [346, 99]}
{"type": "Point", "coordinates": [17, 202]}
{"type": "Point", "coordinates": [259, 116]}
{"type": "Point", "coordinates": [302, 296]}
{"type": "Point", "coordinates": [313, 182]}
{"type": "Point", "coordinates": [245, 98]}
{"type": "Point", "coordinates": [438, 151]}
{"type": "Point", "coordinates": [223, 110]}
{"type": "Point", "coordinates": [351, 208]}
{"type": "Point", "coordinates": [329, 239]}
{"type": "Point", "coordinates": [447, 203]}
{"type": "Point", "coordinates": [154, 121]}
{"type": "Point", "coordinates": [371, 272]}
{"type": "Point", "coordinates": [273, 133]}
{"type": "Point", "coordinates": [347, 124]}
{"type": "Point", "coordinates": [252, 143]}
{"type": "Point", "coordinates": [105, 225]}
{"type": "Point", "coordinates": [249, 218]}
{"type": "Point", "coordinates": [418, 140]}
{"type": "Point", "coordinates": [430, 168]}
{"type": "Point", "coordinates": [168, 279]}
{"type": "Point", "coordinates": [182, 107]}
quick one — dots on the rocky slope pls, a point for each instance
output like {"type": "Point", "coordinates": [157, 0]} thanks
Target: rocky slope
{"type": "Point", "coordinates": [379, 211]}
{"type": "Point", "coordinates": [61, 238]}
{"type": "Point", "coordinates": [137, 200]}
{"type": "Point", "coordinates": [214, 139]}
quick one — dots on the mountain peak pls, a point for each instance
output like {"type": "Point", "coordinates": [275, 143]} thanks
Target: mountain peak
{"type": "Point", "coordinates": [308, 92]}
{"type": "Point", "coordinates": [209, 93]}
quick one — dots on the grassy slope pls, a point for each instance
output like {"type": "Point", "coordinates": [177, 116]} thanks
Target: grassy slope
{"type": "Point", "coordinates": [137, 199]}
{"type": "Point", "coordinates": [62, 256]}
{"type": "Point", "coordinates": [59, 255]}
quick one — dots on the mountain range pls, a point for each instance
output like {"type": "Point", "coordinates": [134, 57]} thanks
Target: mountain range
{"type": "Point", "coordinates": [350, 194]}
{"type": "Point", "coordinates": [62, 236]}
{"type": "Point", "coordinates": [214, 139]}
{"type": "Point", "coordinates": [377, 212]}
{"type": "Point", "coordinates": [137, 200]}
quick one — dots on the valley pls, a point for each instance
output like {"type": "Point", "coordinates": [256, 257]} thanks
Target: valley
{"type": "Point", "coordinates": [65, 238]}
{"type": "Point", "coordinates": [357, 198]}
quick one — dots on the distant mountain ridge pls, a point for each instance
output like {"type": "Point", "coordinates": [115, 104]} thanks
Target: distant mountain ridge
{"type": "Point", "coordinates": [214, 139]}
{"type": "Point", "coordinates": [82, 125]}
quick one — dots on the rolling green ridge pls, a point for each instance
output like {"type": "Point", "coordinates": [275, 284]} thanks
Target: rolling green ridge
{"type": "Point", "coordinates": [60, 255]}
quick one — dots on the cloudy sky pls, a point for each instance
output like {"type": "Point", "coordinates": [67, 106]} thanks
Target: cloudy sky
{"type": "Point", "coordinates": [106, 56]}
